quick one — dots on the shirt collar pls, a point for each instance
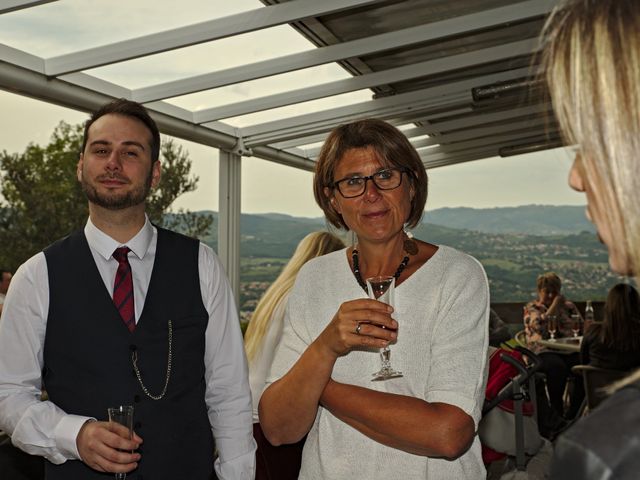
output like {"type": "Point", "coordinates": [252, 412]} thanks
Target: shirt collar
{"type": "Point", "coordinates": [105, 245]}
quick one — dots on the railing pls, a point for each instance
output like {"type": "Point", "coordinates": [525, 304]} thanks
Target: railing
{"type": "Point", "coordinates": [511, 313]}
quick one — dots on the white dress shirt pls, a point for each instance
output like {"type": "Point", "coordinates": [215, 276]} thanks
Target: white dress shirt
{"type": "Point", "coordinates": [261, 363]}
{"type": "Point", "coordinates": [42, 428]}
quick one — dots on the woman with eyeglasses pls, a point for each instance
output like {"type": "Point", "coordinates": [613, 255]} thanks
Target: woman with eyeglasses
{"type": "Point", "coordinates": [369, 179]}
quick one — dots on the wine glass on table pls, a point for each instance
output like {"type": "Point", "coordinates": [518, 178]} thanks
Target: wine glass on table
{"type": "Point", "coordinates": [382, 289]}
{"type": "Point", "coordinates": [552, 326]}
{"type": "Point", "coordinates": [122, 415]}
{"type": "Point", "coordinates": [575, 324]}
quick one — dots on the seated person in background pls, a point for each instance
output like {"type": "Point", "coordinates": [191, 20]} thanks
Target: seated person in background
{"type": "Point", "coordinates": [614, 343]}
{"type": "Point", "coordinates": [555, 364]}
{"type": "Point", "coordinates": [260, 341]}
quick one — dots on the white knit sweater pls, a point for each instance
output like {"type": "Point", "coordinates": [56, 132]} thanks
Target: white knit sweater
{"type": "Point", "coordinates": [442, 311]}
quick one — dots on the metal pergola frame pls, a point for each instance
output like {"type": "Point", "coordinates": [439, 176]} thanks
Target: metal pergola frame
{"type": "Point", "coordinates": [432, 92]}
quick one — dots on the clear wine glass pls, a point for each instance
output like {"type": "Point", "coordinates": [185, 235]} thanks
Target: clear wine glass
{"type": "Point", "coordinates": [552, 326]}
{"type": "Point", "coordinates": [382, 289]}
{"type": "Point", "coordinates": [124, 416]}
{"type": "Point", "coordinates": [575, 324]}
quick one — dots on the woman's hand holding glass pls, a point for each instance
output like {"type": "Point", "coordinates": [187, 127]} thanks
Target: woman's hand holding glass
{"type": "Point", "coordinates": [359, 323]}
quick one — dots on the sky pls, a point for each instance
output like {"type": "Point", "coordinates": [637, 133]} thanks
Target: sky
{"type": "Point", "coordinates": [59, 27]}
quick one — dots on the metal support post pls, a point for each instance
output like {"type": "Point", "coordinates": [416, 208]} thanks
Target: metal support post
{"type": "Point", "coordinates": [229, 218]}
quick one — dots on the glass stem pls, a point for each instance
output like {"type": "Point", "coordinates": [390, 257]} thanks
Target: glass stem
{"type": "Point", "coordinates": [385, 357]}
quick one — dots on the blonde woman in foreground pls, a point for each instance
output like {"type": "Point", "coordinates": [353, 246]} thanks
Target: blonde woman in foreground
{"type": "Point", "coordinates": [592, 63]}
{"type": "Point", "coordinates": [261, 339]}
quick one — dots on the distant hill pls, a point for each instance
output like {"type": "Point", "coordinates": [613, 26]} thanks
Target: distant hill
{"type": "Point", "coordinates": [267, 235]}
{"type": "Point", "coordinates": [277, 234]}
{"type": "Point", "coordinates": [529, 219]}
{"type": "Point", "coordinates": [513, 244]}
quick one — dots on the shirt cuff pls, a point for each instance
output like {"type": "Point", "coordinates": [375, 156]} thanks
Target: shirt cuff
{"type": "Point", "coordinates": [66, 433]}
{"type": "Point", "coordinates": [240, 468]}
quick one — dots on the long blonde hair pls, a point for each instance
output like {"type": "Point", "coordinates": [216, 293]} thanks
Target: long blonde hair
{"type": "Point", "coordinates": [591, 60]}
{"type": "Point", "coordinates": [313, 245]}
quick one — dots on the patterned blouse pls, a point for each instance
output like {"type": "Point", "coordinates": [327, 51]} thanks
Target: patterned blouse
{"type": "Point", "coordinates": [535, 323]}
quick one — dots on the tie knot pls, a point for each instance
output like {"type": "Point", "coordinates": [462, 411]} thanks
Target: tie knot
{"type": "Point", "coordinates": [120, 254]}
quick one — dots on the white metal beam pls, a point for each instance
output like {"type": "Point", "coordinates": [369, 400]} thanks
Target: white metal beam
{"type": "Point", "coordinates": [481, 118]}
{"type": "Point", "coordinates": [392, 114]}
{"type": "Point", "coordinates": [467, 156]}
{"type": "Point", "coordinates": [229, 209]}
{"type": "Point", "coordinates": [21, 59]}
{"type": "Point", "coordinates": [281, 130]}
{"type": "Point", "coordinates": [170, 119]}
{"type": "Point", "coordinates": [320, 137]}
{"type": "Point", "coordinates": [7, 6]}
{"type": "Point", "coordinates": [527, 125]}
{"type": "Point", "coordinates": [483, 132]}
{"type": "Point", "coordinates": [296, 142]}
{"type": "Point", "coordinates": [342, 51]}
{"type": "Point", "coordinates": [445, 159]}
{"type": "Point", "coordinates": [385, 77]}
{"type": "Point", "coordinates": [231, 25]}
{"type": "Point", "coordinates": [441, 151]}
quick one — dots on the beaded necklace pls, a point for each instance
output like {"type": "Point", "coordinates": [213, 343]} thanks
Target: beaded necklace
{"type": "Point", "coordinates": [356, 268]}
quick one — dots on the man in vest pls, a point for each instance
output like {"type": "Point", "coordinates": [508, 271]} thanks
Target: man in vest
{"type": "Point", "coordinates": [125, 313]}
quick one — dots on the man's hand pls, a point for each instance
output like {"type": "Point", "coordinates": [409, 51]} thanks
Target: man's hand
{"type": "Point", "coordinates": [105, 447]}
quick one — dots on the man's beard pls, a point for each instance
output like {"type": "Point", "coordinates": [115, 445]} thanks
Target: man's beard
{"type": "Point", "coordinates": [117, 201]}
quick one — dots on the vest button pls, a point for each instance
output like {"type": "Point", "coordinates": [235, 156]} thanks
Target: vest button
{"type": "Point", "coordinates": [138, 425]}
{"type": "Point", "coordinates": [133, 347]}
{"type": "Point", "coordinates": [136, 398]}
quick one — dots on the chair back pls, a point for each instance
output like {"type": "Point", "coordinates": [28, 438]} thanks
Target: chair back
{"type": "Point", "coordinates": [521, 338]}
{"type": "Point", "coordinates": [595, 381]}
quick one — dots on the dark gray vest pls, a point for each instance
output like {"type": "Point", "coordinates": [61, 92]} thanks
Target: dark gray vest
{"type": "Point", "coordinates": [88, 348]}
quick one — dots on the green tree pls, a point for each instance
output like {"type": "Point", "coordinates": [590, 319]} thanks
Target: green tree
{"type": "Point", "coordinates": [42, 200]}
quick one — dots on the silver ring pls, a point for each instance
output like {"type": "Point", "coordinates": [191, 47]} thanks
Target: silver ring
{"type": "Point", "coordinates": [358, 328]}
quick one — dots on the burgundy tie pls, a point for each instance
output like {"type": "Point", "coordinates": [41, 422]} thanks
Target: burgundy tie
{"type": "Point", "coordinates": [123, 288]}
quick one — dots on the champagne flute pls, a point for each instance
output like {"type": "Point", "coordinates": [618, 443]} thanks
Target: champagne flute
{"type": "Point", "coordinates": [575, 324]}
{"type": "Point", "coordinates": [382, 288]}
{"type": "Point", "coordinates": [124, 416]}
{"type": "Point", "coordinates": [552, 326]}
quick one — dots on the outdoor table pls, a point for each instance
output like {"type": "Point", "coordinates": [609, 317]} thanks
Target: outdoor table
{"type": "Point", "coordinates": [567, 344]}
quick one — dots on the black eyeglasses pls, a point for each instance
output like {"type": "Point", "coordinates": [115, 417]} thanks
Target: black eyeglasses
{"type": "Point", "coordinates": [386, 179]}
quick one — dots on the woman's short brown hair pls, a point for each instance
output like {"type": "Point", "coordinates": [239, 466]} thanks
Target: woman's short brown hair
{"type": "Point", "coordinates": [394, 150]}
{"type": "Point", "coordinates": [549, 280]}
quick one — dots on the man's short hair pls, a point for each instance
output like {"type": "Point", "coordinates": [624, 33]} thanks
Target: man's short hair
{"type": "Point", "coordinates": [127, 108]}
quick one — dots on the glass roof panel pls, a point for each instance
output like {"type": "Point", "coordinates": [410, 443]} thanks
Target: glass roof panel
{"type": "Point", "coordinates": [66, 26]}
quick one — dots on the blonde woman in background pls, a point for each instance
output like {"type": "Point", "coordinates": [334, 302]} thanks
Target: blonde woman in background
{"type": "Point", "coordinates": [591, 59]}
{"type": "Point", "coordinates": [261, 339]}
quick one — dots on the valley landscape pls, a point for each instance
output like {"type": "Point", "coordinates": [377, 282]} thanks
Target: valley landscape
{"type": "Point", "coordinates": [514, 245]}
